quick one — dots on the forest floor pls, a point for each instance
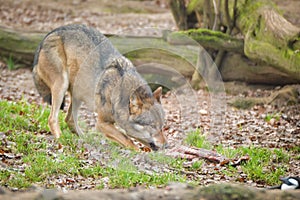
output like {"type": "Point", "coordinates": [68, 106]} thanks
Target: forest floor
{"type": "Point", "coordinates": [271, 126]}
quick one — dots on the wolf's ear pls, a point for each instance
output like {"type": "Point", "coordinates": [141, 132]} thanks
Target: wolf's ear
{"type": "Point", "coordinates": [135, 104]}
{"type": "Point", "coordinates": [157, 94]}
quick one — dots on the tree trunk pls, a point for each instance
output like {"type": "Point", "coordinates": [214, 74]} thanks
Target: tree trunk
{"type": "Point", "coordinates": [270, 42]}
{"type": "Point", "coordinates": [269, 37]}
{"type": "Point", "coordinates": [179, 12]}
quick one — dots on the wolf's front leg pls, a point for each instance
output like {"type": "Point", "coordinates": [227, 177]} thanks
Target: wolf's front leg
{"type": "Point", "coordinates": [58, 90]}
{"type": "Point", "coordinates": [110, 131]}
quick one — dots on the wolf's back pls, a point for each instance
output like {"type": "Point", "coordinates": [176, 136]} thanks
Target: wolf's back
{"type": "Point", "coordinates": [82, 51]}
{"type": "Point", "coordinates": [73, 36]}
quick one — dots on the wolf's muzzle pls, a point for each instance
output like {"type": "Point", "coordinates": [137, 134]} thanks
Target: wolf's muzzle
{"type": "Point", "coordinates": [156, 148]}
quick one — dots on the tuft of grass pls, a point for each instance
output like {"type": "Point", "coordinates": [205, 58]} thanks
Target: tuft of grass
{"type": "Point", "coordinates": [265, 165]}
{"type": "Point", "coordinates": [270, 116]}
{"type": "Point", "coordinates": [296, 152]}
{"type": "Point", "coordinates": [11, 65]}
{"type": "Point", "coordinates": [196, 166]}
{"type": "Point", "coordinates": [244, 103]}
{"type": "Point", "coordinates": [196, 139]}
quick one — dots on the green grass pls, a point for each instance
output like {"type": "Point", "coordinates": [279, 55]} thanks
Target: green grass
{"type": "Point", "coordinates": [270, 116]}
{"type": "Point", "coordinates": [265, 165]}
{"type": "Point", "coordinates": [166, 160]}
{"type": "Point", "coordinates": [37, 157]}
{"type": "Point", "coordinates": [296, 151]}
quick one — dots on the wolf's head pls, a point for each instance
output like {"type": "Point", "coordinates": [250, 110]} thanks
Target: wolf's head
{"type": "Point", "coordinates": [146, 118]}
{"type": "Point", "coordinates": [136, 109]}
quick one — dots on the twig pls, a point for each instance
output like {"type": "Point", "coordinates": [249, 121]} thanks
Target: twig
{"type": "Point", "coordinates": [191, 153]}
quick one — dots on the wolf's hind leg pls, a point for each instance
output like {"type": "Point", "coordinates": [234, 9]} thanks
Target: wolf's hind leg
{"type": "Point", "coordinates": [72, 116]}
{"type": "Point", "coordinates": [69, 118]}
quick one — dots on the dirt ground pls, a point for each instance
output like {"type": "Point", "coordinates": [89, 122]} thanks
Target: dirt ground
{"type": "Point", "coordinates": [241, 127]}
{"type": "Point", "coordinates": [111, 17]}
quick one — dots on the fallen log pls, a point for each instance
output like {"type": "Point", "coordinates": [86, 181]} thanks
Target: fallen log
{"type": "Point", "coordinates": [172, 191]}
{"type": "Point", "coordinates": [286, 96]}
{"type": "Point", "coordinates": [21, 46]}
{"type": "Point", "coordinates": [18, 44]}
{"type": "Point", "coordinates": [209, 39]}
{"type": "Point", "coordinates": [180, 55]}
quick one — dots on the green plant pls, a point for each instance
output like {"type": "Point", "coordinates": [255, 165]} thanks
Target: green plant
{"type": "Point", "coordinates": [196, 139]}
{"type": "Point", "coordinates": [197, 165]}
{"type": "Point", "coordinates": [11, 63]}
{"type": "Point", "coordinates": [270, 116]}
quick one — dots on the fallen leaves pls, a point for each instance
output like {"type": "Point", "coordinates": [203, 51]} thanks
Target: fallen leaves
{"type": "Point", "coordinates": [242, 127]}
{"type": "Point", "coordinates": [45, 16]}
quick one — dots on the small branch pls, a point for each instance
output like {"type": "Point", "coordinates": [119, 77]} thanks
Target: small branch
{"type": "Point", "coordinates": [191, 153]}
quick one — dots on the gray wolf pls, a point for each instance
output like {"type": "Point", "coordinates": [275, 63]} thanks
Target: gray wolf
{"type": "Point", "coordinates": [81, 61]}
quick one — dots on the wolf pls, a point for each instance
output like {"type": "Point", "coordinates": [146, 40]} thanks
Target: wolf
{"type": "Point", "coordinates": [83, 62]}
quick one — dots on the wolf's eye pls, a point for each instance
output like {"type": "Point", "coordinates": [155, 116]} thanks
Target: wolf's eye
{"type": "Point", "coordinates": [138, 127]}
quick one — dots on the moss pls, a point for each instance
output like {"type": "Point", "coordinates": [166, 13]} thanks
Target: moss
{"type": "Point", "coordinates": [206, 33]}
{"type": "Point", "coordinates": [226, 192]}
{"type": "Point", "coordinates": [247, 12]}
{"type": "Point", "coordinates": [207, 38]}
{"type": "Point", "coordinates": [243, 103]}
{"type": "Point", "coordinates": [23, 43]}
{"type": "Point", "coordinates": [284, 60]}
